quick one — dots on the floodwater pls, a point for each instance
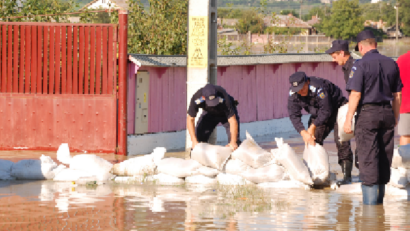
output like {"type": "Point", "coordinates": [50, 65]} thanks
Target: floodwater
{"type": "Point", "coordinates": [48, 205]}
{"type": "Point", "coordinates": [45, 205]}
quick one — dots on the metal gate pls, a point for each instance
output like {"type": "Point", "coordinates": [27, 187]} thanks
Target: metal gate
{"type": "Point", "coordinates": [58, 85]}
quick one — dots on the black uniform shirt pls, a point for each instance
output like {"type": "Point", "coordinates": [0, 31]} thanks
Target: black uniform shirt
{"type": "Point", "coordinates": [347, 68]}
{"type": "Point", "coordinates": [376, 76]}
{"type": "Point", "coordinates": [323, 100]}
{"type": "Point", "coordinates": [224, 108]}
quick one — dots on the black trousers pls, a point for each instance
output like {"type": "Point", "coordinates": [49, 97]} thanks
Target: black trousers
{"type": "Point", "coordinates": [344, 151]}
{"type": "Point", "coordinates": [207, 123]}
{"type": "Point", "coordinates": [375, 142]}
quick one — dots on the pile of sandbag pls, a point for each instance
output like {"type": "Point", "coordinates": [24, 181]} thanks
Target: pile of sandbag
{"type": "Point", "coordinates": [399, 171]}
{"type": "Point", "coordinates": [341, 118]}
{"type": "Point", "coordinates": [317, 160]}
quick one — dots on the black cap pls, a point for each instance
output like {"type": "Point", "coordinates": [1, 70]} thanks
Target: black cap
{"type": "Point", "coordinates": [209, 92]}
{"type": "Point", "coordinates": [366, 34]}
{"type": "Point", "coordinates": [338, 45]}
{"type": "Point", "coordinates": [297, 80]}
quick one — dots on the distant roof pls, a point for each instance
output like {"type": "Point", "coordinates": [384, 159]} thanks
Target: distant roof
{"type": "Point", "coordinates": [120, 3]}
{"type": "Point", "coordinates": [286, 21]}
{"type": "Point", "coordinates": [180, 60]}
{"type": "Point", "coordinates": [313, 21]}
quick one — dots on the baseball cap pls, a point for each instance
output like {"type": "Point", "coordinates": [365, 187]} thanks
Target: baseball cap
{"type": "Point", "coordinates": [297, 80]}
{"type": "Point", "coordinates": [209, 92]}
{"type": "Point", "coordinates": [366, 34]}
{"type": "Point", "coordinates": [338, 45]}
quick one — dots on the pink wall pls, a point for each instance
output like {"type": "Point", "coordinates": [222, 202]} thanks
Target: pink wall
{"type": "Point", "coordinates": [262, 91]}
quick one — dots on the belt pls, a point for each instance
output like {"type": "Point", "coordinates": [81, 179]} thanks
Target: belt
{"type": "Point", "coordinates": [376, 105]}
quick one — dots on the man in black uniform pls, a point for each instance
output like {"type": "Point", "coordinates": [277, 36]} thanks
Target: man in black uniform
{"type": "Point", "coordinates": [322, 99]}
{"type": "Point", "coordinates": [373, 83]}
{"type": "Point", "coordinates": [341, 55]}
{"type": "Point", "coordinates": [218, 107]}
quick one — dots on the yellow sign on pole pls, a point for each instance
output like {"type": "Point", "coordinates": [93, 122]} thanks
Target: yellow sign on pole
{"type": "Point", "coordinates": [198, 41]}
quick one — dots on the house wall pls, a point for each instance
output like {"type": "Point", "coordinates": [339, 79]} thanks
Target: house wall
{"type": "Point", "coordinates": [105, 4]}
{"type": "Point", "coordinates": [262, 91]}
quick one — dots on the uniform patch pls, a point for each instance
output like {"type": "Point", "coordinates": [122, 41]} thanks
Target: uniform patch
{"type": "Point", "coordinates": [312, 88]}
{"type": "Point", "coordinates": [322, 95]}
{"type": "Point", "coordinates": [351, 73]}
{"type": "Point", "coordinates": [221, 100]}
{"type": "Point", "coordinates": [199, 101]}
{"type": "Point", "coordinates": [291, 93]}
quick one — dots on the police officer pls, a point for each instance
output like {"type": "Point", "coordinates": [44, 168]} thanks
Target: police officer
{"type": "Point", "coordinates": [373, 83]}
{"type": "Point", "coordinates": [322, 99]}
{"type": "Point", "coordinates": [218, 107]}
{"type": "Point", "coordinates": [341, 55]}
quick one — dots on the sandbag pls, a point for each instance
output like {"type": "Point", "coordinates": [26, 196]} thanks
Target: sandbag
{"type": "Point", "coordinates": [34, 169]}
{"type": "Point", "coordinates": [166, 179]}
{"type": "Point", "coordinates": [214, 156]}
{"type": "Point", "coordinates": [341, 118]}
{"type": "Point", "coordinates": [5, 170]}
{"type": "Point", "coordinates": [92, 164]}
{"type": "Point", "coordinates": [229, 179]}
{"type": "Point", "coordinates": [271, 173]}
{"type": "Point", "coordinates": [235, 167]}
{"type": "Point", "coordinates": [71, 175]}
{"type": "Point", "coordinates": [292, 163]}
{"type": "Point", "coordinates": [398, 177]}
{"type": "Point", "coordinates": [142, 165]}
{"type": "Point", "coordinates": [63, 154]}
{"type": "Point", "coordinates": [200, 179]}
{"type": "Point", "coordinates": [178, 167]}
{"type": "Point", "coordinates": [251, 153]}
{"type": "Point", "coordinates": [317, 160]}
{"type": "Point", "coordinates": [404, 152]}
{"type": "Point", "coordinates": [206, 171]}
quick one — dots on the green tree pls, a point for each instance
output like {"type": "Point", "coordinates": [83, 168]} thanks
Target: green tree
{"type": "Point", "coordinates": [345, 20]}
{"type": "Point", "coordinates": [404, 16]}
{"type": "Point", "coordinates": [286, 12]}
{"type": "Point", "coordinates": [319, 11]}
{"type": "Point", "coordinates": [379, 11]}
{"type": "Point", "coordinates": [251, 21]}
{"type": "Point", "coordinates": [31, 8]}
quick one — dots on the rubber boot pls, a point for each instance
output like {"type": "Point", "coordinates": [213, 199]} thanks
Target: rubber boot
{"type": "Point", "coordinates": [370, 194]}
{"type": "Point", "coordinates": [347, 172]}
{"type": "Point", "coordinates": [380, 195]}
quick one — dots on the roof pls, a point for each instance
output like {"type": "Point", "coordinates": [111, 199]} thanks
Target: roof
{"type": "Point", "coordinates": [180, 60]}
{"type": "Point", "coordinates": [120, 3]}
{"type": "Point", "coordinates": [286, 21]}
{"type": "Point", "coordinates": [313, 21]}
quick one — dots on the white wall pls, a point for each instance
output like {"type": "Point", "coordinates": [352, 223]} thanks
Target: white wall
{"type": "Point", "coordinates": [99, 4]}
{"type": "Point", "coordinates": [144, 144]}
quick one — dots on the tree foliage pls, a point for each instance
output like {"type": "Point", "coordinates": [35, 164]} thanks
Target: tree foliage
{"type": "Point", "coordinates": [319, 11]}
{"type": "Point", "coordinates": [30, 8]}
{"type": "Point", "coordinates": [404, 20]}
{"type": "Point", "coordinates": [379, 11]}
{"type": "Point", "coordinates": [287, 12]}
{"type": "Point", "coordinates": [251, 21]}
{"type": "Point", "coordinates": [345, 20]}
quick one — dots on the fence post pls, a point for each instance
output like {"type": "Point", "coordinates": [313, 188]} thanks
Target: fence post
{"type": "Point", "coordinates": [122, 83]}
{"type": "Point", "coordinates": [249, 38]}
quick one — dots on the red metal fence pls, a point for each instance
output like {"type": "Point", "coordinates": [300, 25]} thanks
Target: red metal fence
{"type": "Point", "coordinates": [58, 85]}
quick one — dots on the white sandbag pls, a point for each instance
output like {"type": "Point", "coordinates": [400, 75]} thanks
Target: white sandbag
{"type": "Point", "coordinates": [398, 177]}
{"type": "Point", "coordinates": [292, 163]}
{"type": "Point", "coordinates": [63, 154]}
{"type": "Point", "coordinates": [34, 169]}
{"type": "Point", "coordinates": [251, 153]}
{"type": "Point", "coordinates": [58, 169]}
{"type": "Point", "coordinates": [229, 179]}
{"type": "Point", "coordinates": [396, 162]}
{"type": "Point", "coordinates": [5, 170]}
{"type": "Point", "coordinates": [317, 160]}
{"type": "Point", "coordinates": [235, 167]}
{"type": "Point", "coordinates": [271, 173]}
{"type": "Point", "coordinates": [142, 165]}
{"type": "Point", "coordinates": [404, 152]}
{"type": "Point", "coordinates": [167, 179]}
{"type": "Point", "coordinates": [206, 171]}
{"type": "Point", "coordinates": [71, 175]}
{"type": "Point", "coordinates": [341, 118]}
{"type": "Point", "coordinates": [214, 156]}
{"type": "Point", "coordinates": [178, 167]}
{"type": "Point", "coordinates": [200, 179]}
{"type": "Point", "coordinates": [92, 164]}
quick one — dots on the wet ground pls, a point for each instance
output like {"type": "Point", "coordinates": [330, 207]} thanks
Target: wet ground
{"type": "Point", "coordinates": [48, 205]}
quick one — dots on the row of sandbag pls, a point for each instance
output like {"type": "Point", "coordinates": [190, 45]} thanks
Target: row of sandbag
{"type": "Point", "coordinates": [249, 163]}
{"type": "Point", "coordinates": [84, 166]}
{"type": "Point", "coordinates": [399, 171]}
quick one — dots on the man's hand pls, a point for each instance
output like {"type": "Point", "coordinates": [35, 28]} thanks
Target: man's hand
{"type": "Point", "coordinates": [312, 130]}
{"type": "Point", "coordinates": [194, 143]}
{"type": "Point", "coordinates": [308, 138]}
{"type": "Point", "coordinates": [233, 146]}
{"type": "Point", "coordinates": [347, 127]}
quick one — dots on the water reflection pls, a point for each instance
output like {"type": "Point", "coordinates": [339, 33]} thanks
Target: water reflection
{"type": "Point", "coordinates": [49, 205]}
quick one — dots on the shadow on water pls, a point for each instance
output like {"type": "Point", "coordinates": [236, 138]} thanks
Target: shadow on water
{"type": "Point", "coordinates": [46, 204]}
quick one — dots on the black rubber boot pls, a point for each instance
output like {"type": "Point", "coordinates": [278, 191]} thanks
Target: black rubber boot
{"type": "Point", "coordinates": [347, 172]}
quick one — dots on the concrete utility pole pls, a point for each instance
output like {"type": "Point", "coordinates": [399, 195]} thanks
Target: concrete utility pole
{"type": "Point", "coordinates": [300, 10]}
{"type": "Point", "coordinates": [397, 21]}
{"type": "Point", "coordinates": [202, 52]}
